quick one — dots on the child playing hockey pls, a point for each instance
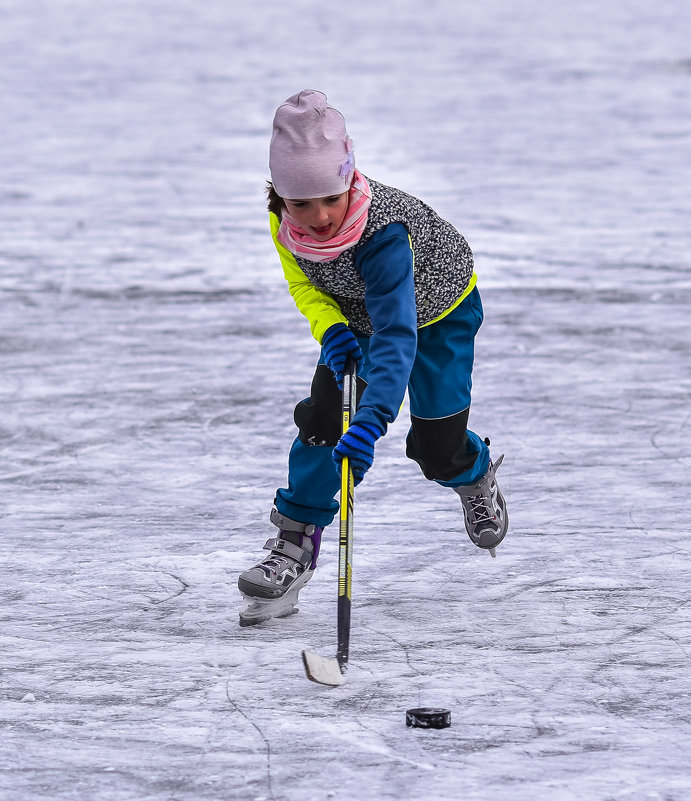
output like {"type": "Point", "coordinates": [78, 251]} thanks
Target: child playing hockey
{"type": "Point", "coordinates": [383, 280]}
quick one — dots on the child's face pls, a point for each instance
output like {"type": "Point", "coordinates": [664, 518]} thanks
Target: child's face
{"type": "Point", "coordinates": [320, 217]}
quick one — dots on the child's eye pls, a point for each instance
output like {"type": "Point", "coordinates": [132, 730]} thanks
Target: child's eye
{"type": "Point", "coordinates": [333, 199]}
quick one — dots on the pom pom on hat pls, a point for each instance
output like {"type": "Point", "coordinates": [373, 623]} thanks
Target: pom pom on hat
{"type": "Point", "coordinates": [311, 155]}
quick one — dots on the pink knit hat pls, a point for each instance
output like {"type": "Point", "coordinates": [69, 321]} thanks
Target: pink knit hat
{"type": "Point", "coordinates": [311, 155]}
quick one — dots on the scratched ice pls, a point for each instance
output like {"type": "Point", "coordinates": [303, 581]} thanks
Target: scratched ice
{"type": "Point", "coordinates": [150, 357]}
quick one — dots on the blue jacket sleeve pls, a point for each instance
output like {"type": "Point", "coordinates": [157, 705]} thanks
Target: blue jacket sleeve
{"type": "Point", "coordinates": [386, 266]}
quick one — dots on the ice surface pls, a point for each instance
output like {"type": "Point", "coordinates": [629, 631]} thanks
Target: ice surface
{"type": "Point", "coordinates": [150, 357]}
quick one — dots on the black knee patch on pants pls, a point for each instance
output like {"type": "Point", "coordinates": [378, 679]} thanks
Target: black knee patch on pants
{"type": "Point", "coordinates": [319, 416]}
{"type": "Point", "coordinates": [440, 446]}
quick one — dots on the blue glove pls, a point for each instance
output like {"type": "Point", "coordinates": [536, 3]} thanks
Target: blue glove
{"type": "Point", "coordinates": [339, 344]}
{"type": "Point", "coordinates": [358, 445]}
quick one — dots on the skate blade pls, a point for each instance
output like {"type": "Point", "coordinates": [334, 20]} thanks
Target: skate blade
{"type": "Point", "coordinates": [260, 610]}
{"type": "Point", "coordinates": [323, 669]}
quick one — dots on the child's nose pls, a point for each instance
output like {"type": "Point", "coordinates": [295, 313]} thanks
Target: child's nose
{"type": "Point", "coordinates": [322, 214]}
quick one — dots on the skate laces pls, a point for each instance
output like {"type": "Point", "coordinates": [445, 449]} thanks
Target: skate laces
{"type": "Point", "coordinates": [278, 563]}
{"type": "Point", "coordinates": [482, 508]}
{"type": "Point", "coordinates": [483, 503]}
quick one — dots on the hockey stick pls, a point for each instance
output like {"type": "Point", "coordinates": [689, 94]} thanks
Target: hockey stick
{"type": "Point", "coordinates": [331, 670]}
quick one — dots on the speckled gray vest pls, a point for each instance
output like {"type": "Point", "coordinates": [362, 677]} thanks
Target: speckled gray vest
{"type": "Point", "coordinates": [443, 262]}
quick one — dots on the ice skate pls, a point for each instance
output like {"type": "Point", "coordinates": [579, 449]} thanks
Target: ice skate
{"type": "Point", "coordinates": [484, 510]}
{"type": "Point", "coordinates": [271, 587]}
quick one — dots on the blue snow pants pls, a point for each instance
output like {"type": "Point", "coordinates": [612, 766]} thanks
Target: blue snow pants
{"type": "Point", "coordinates": [438, 440]}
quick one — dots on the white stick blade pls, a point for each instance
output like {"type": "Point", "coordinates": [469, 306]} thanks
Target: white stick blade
{"type": "Point", "coordinates": [323, 669]}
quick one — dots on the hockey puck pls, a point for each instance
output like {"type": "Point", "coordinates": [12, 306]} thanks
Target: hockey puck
{"type": "Point", "coordinates": [428, 718]}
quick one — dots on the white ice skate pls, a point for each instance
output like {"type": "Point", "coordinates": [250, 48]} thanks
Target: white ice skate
{"type": "Point", "coordinates": [271, 587]}
{"type": "Point", "coordinates": [484, 510]}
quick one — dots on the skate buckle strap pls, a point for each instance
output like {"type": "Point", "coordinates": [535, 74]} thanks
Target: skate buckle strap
{"type": "Point", "coordinates": [285, 548]}
{"type": "Point", "coordinates": [286, 524]}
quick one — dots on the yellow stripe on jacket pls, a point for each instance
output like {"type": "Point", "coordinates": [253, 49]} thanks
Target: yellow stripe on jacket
{"type": "Point", "coordinates": [319, 307]}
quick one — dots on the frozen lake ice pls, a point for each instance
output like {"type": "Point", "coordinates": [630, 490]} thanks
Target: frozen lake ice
{"type": "Point", "coordinates": [151, 357]}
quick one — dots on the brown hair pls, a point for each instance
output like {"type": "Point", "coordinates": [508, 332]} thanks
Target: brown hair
{"type": "Point", "coordinates": [276, 203]}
